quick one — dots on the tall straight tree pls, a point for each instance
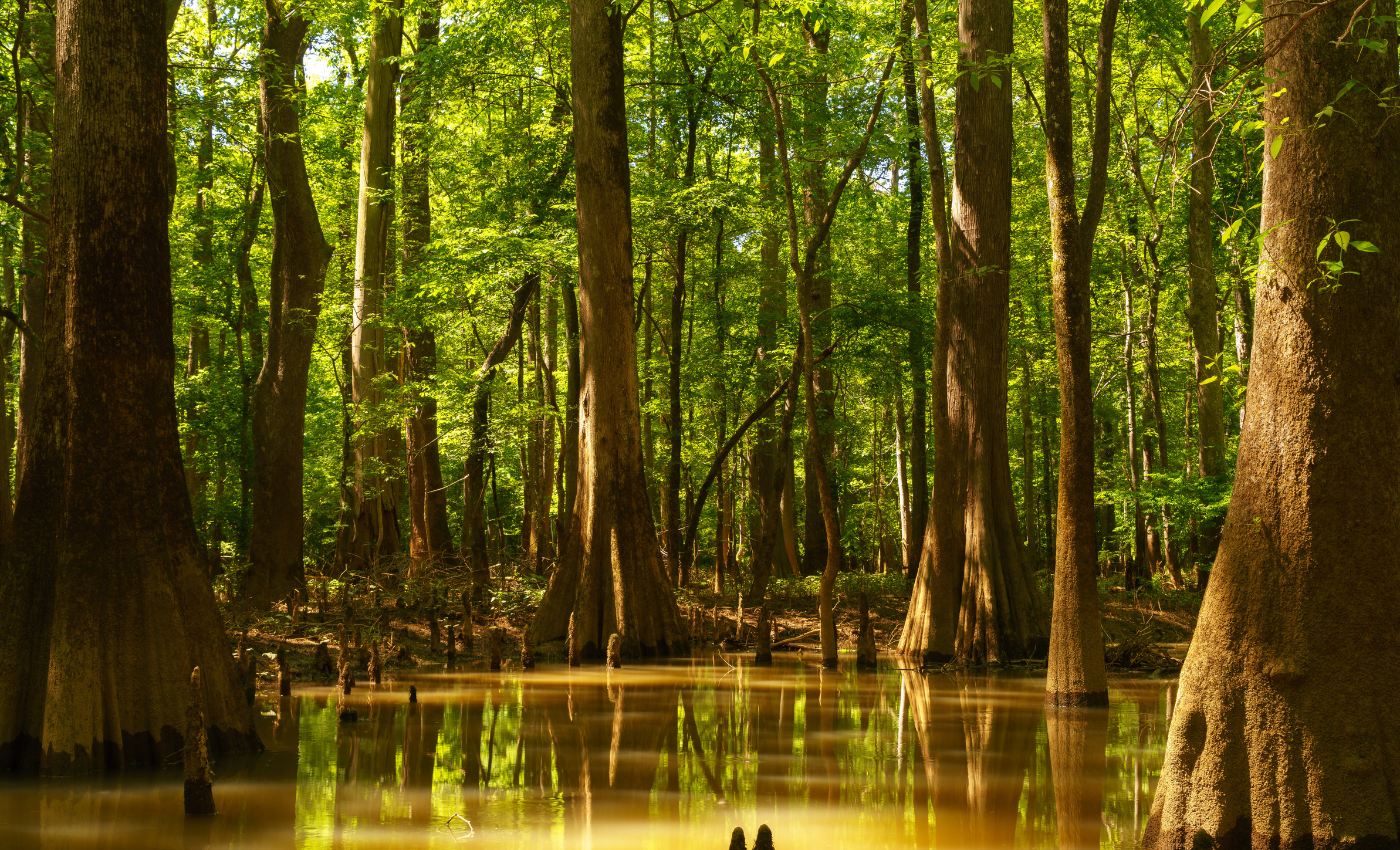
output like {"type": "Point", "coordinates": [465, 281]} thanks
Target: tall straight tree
{"type": "Point", "coordinates": [1201, 294]}
{"type": "Point", "coordinates": [1076, 676]}
{"type": "Point", "coordinates": [610, 578]}
{"type": "Point", "coordinates": [378, 448]}
{"type": "Point", "coordinates": [975, 596]}
{"type": "Point", "coordinates": [1285, 731]}
{"type": "Point", "coordinates": [913, 253]}
{"type": "Point", "coordinates": [300, 256]}
{"type": "Point", "coordinates": [429, 534]}
{"type": "Point", "coordinates": [105, 598]}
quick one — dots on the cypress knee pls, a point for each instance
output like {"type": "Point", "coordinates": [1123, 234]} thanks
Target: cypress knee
{"type": "Point", "coordinates": [199, 787]}
{"type": "Point", "coordinates": [451, 645]}
{"type": "Point", "coordinates": [865, 641]}
{"type": "Point", "coordinates": [284, 673]}
{"type": "Point", "coordinates": [495, 649]}
{"type": "Point", "coordinates": [527, 652]}
{"type": "Point", "coordinates": [763, 656]}
{"type": "Point", "coordinates": [573, 643]}
{"type": "Point", "coordinates": [615, 651]}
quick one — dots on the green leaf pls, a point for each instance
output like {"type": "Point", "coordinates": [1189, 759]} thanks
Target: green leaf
{"type": "Point", "coordinates": [1276, 146]}
{"type": "Point", "coordinates": [1211, 10]}
{"type": "Point", "coordinates": [1229, 233]}
{"type": "Point", "coordinates": [775, 59]}
{"type": "Point", "coordinates": [1322, 246]}
{"type": "Point", "coordinates": [976, 81]}
{"type": "Point", "coordinates": [1211, 379]}
{"type": "Point", "coordinates": [996, 79]}
{"type": "Point", "coordinates": [1365, 246]}
{"type": "Point", "coordinates": [1343, 238]}
{"type": "Point", "coordinates": [1244, 17]}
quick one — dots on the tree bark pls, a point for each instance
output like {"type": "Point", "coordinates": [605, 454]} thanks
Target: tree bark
{"type": "Point", "coordinates": [430, 537]}
{"type": "Point", "coordinates": [1201, 303]}
{"type": "Point", "coordinates": [104, 597]}
{"type": "Point", "coordinates": [378, 451]}
{"type": "Point", "coordinates": [299, 259]}
{"type": "Point", "coordinates": [610, 577]}
{"type": "Point", "coordinates": [974, 553]}
{"type": "Point", "coordinates": [913, 253]}
{"type": "Point", "coordinates": [1076, 674]}
{"type": "Point", "coordinates": [1284, 730]}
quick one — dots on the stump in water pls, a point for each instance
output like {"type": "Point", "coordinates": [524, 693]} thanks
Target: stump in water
{"type": "Point", "coordinates": [451, 645]}
{"type": "Point", "coordinates": [376, 672]}
{"type": "Point", "coordinates": [284, 673]}
{"type": "Point", "coordinates": [865, 641]}
{"type": "Point", "coordinates": [413, 693]}
{"type": "Point", "coordinates": [321, 664]}
{"type": "Point", "coordinates": [615, 651]}
{"type": "Point", "coordinates": [573, 643]}
{"type": "Point", "coordinates": [527, 652]}
{"type": "Point", "coordinates": [764, 841]}
{"type": "Point", "coordinates": [199, 786]}
{"type": "Point", "coordinates": [434, 630]}
{"type": "Point", "coordinates": [736, 839]}
{"type": "Point", "coordinates": [346, 680]}
{"type": "Point", "coordinates": [467, 621]}
{"type": "Point", "coordinates": [496, 649]}
{"type": "Point", "coordinates": [763, 655]}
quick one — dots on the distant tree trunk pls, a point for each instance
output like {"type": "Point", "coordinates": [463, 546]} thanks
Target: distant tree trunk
{"type": "Point", "coordinates": [772, 315]}
{"type": "Point", "coordinates": [378, 450]}
{"type": "Point", "coordinates": [474, 479]}
{"type": "Point", "coordinates": [430, 537]}
{"type": "Point", "coordinates": [918, 428]}
{"type": "Point", "coordinates": [909, 544]}
{"type": "Point", "coordinates": [568, 455]}
{"type": "Point", "coordinates": [249, 328]}
{"type": "Point", "coordinates": [610, 578]}
{"type": "Point", "coordinates": [1135, 568]}
{"type": "Point", "coordinates": [1028, 463]}
{"type": "Point", "coordinates": [36, 119]}
{"type": "Point", "coordinates": [299, 259]}
{"type": "Point", "coordinates": [104, 597]}
{"type": "Point", "coordinates": [815, 197]}
{"type": "Point", "coordinates": [1284, 728]}
{"type": "Point", "coordinates": [975, 556]}
{"type": "Point", "coordinates": [1076, 674]}
{"type": "Point", "coordinates": [1201, 303]}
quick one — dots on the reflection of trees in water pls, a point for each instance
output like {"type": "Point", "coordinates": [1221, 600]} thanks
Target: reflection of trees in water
{"type": "Point", "coordinates": [1078, 738]}
{"type": "Point", "coordinates": [976, 741]}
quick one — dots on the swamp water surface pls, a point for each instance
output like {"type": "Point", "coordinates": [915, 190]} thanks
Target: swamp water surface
{"type": "Point", "coordinates": [669, 756]}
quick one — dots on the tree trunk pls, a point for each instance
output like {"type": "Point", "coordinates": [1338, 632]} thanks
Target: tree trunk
{"type": "Point", "coordinates": [299, 259]}
{"type": "Point", "coordinates": [1028, 463]}
{"type": "Point", "coordinates": [913, 253]}
{"type": "Point", "coordinates": [37, 119]}
{"type": "Point", "coordinates": [772, 315]}
{"type": "Point", "coordinates": [430, 537]}
{"type": "Point", "coordinates": [816, 115]}
{"type": "Point", "coordinates": [104, 597]}
{"type": "Point", "coordinates": [974, 553]}
{"type": "Point", "coordinates": [1201, 304]}
{"type": "Point", "coordinates": [610, 578]}
{"type": "Point", "coordinates": [1076, 675]}
{"type": "Point", "coordinates": [378, 451]}
{"type": "Point", "coordinates": [1284, 729]}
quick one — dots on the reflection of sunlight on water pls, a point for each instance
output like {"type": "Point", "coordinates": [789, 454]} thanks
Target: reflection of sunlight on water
{"type": "Point", "coordinates": [666, 757]}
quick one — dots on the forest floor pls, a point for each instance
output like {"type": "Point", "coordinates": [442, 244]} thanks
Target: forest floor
{"type": "Point", "coordinates": [1145, 631]}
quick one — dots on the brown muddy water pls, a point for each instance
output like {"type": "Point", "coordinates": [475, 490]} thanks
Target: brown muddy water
{"type": "Point", "coordinates": [669, 757]}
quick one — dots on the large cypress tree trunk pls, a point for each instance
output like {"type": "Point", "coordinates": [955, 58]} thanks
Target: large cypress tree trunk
{"type": "Point", "coordinates": [1076, 675]}
{"type": "Point", "coordinates": [978, 558]}
{"type": "Point", "coordinates": [610, 577]}
{"type": "Point", "coordinates": [104, 597]}
{"type": "Point", "coordinates": [430, 537]}
{"type": "Point", "coordinates": [1285, 731]}
{"type": "Point", "coordinates": [299, 259]}
{"type": "Point", "coordinates": [378, 450]}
